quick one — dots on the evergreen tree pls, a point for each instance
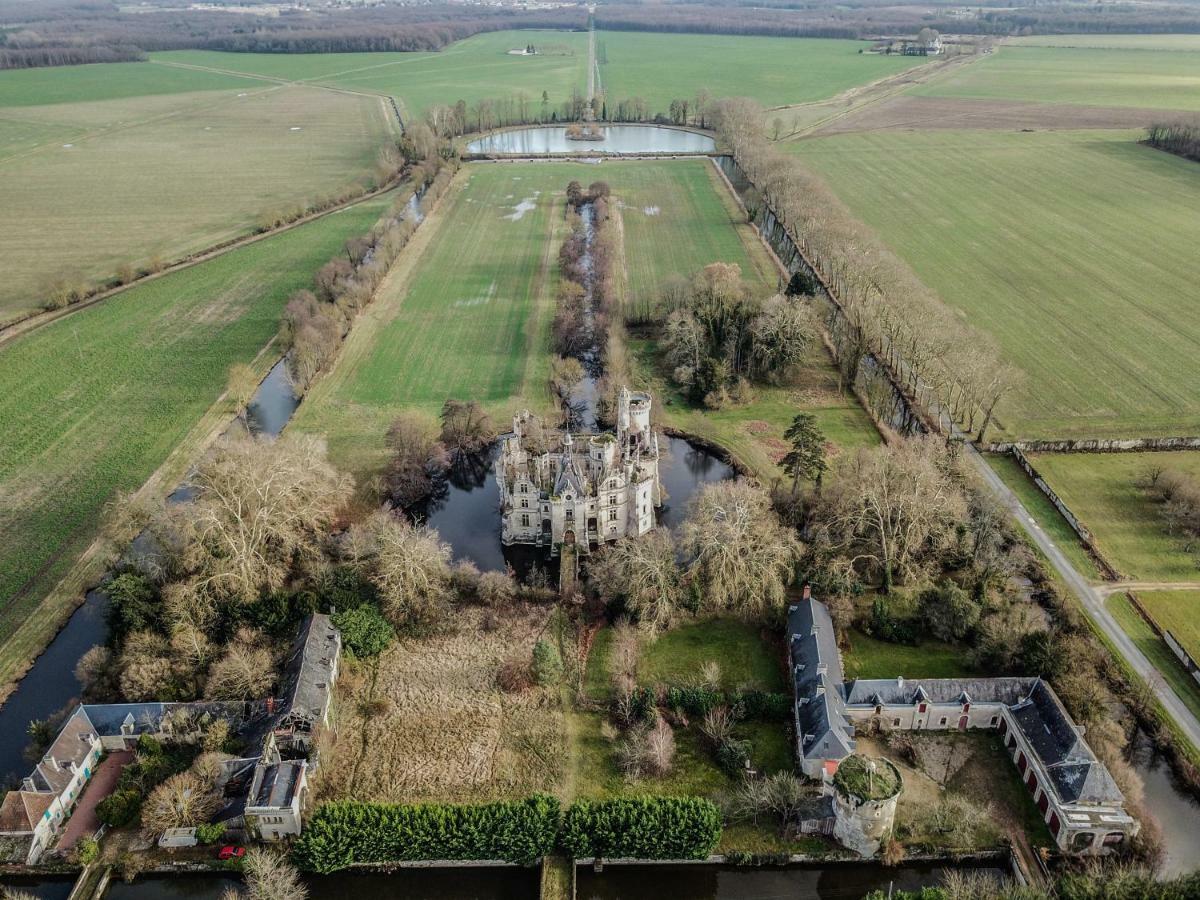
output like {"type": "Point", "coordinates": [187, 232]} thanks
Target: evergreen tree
{"type": "Point", "coordinates": [806, 459]}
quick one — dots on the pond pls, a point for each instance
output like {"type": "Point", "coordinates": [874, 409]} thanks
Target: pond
{"type": "Point", "coordinates": [541, 140]}
{"type": "Point", "coordinates": [50, 887]}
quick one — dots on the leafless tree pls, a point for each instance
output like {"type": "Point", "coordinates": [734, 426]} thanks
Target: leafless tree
{"type": "Point", "coordinates": [738, 551]}
{"type": "Point", "coordinates": [243, 673]}
{"type": "Point", "coordinates": [409, 565]}
{"type": "Point", "coordinates": [644, 573]}
{"type": "Point", "coordinates": [182, 801]}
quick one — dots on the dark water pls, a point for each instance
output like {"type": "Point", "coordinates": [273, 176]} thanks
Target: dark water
{"type": "Point", "coordinates": [49, 685]}
{"type": "Point", "coordinates": [617, 139]}
{"type": "Point", "coordinates": [49, 888]}
{"type": "Point", "coordinates": [704, 882]}
{"type": "Point", "coordinates": [410, 884]}
{"type": "Point", "coordinates": [1176, 810]}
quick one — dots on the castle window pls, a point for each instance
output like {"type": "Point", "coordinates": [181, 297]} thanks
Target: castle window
{"type": "Point", "coordinates": [524, 503]}
{"type": "Point", "coordinates": [612, 500]}
{"type": "Point", "coordinates": [612, 515]}
{"type": "Point", "coordinates": [525, 521]}
{"type": "Point", "coordinates": [570, 513]}
{"type": "Point", "coordinates": [524, 488]}
{"type": "Point", "coordinates": [895, 723]}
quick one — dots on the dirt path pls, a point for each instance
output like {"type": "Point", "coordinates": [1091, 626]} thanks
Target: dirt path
{"type": "Point", "coordinates": [1108, 588]}
{"type": "Point", "coordinates": [591, 91]}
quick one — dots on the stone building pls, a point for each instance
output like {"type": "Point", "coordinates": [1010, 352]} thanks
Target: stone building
{"type": "Point", "coordinates": [1074, 792]}
{"type": "Point", "coordinates": [558, 488]}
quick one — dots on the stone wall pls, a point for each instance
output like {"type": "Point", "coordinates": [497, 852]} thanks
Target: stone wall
{"type": "Point", "coordinates": [1097, 445]}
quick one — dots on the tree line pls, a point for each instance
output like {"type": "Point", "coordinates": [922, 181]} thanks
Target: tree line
{"type": "Point", "coordinates": [1180, 138]}
{"type": "Point", "coordinates": [880, 308]}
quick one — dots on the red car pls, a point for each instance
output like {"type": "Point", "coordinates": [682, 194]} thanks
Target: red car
{"type": "Point", "coordinates": [231, 852]}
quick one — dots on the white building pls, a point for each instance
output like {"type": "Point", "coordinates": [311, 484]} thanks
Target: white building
{"type": "Point", "coordinates": [579, 489]}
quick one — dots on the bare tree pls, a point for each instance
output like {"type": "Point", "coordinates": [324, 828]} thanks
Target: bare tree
{"type": "Point", "coordinates": [644, 573]}
{"type": "Point", "coordinates": [261, 510]}
{"type": "Point", "coordinates": [418, 459]}
{"type": "Point", "coordinates": [182, 801]}
{"type": "Point", "coordinates": [243, 673]}
{"type": "Point", "coordinates": [739, 552]}
{"type": "Point", "coordinates": [240, 386]}
{"type": "Point", "coordinates": [408, 564]}
{"type": "Point", "coordinates": [269, 876]}
{"type": "Point", "coordinates": [892, 508]}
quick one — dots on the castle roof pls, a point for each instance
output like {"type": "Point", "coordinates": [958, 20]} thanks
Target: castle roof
{"type": "Point", "coordinates": [817, 677]}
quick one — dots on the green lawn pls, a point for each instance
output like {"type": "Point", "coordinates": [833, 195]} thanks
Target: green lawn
{"type": "Point", "coordinates": [1075, 250]}
{"type": "Point", "coordinates": [868, 657]}
{"type": "Point", "coordinates": [1102, 490]}
{"type": "Point", "coordinates": [749, 658]}
{"type": "Point", "coordinates": [93, 403]}
{"type": "Point", "coordinates": [661, 67]}
{"type": "Point", "coordinates": [1088, 76]}
{"type": "Point", "coordinates": [468, 315]}
{"type": "Point", "coordinates": [1045, 515]}
{"type": "Point", "coordinates": [1177, 612]}
{"type": "Point", "coordinates": [95, 177]}
{"type": "Point", "coordinates": [472, 69]}
{"type": "Point", "coordinates": [679, 219]}
{"type": "Point", "coordinates": [109, 81]}
{"type": "Point", "coordinates": [1155, 649]}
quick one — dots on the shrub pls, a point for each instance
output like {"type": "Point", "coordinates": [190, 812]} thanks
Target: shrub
{"type": "Point", "coordinates": [87, 851]}
{"type": "Point", "coordinates": [547, 663]}
{"type": "Point", "coordinates": [210, 832]}
{"type": "Point", "coordinates": [733, 756]}
{"type": "Point", "coordinates": [695, 701]}
{"type": "Point", "coordinates": [765, 706]}
{"type": "Point", "coordinates": [642, 828]}
{"type": "Point", "coordinates": [365, 632]}
{"type": "Point", "coordinates": [341, 834]}
{"type": "Point", "coordinates": [119, 808]}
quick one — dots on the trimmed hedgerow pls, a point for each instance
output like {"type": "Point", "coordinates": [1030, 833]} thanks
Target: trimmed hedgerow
{"type": "Point", "coordinates": [642, 828]}
{"type": "Point", "coordinates": [340, 834]}
{"type": "Point", "coordinates": [760, 705]}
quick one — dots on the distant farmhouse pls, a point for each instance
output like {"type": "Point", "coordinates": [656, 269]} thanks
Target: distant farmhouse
{"type": "Point", "coordinates": [581, 489]}
{"type": "Point", "coordinates": [1077, 797]}
{"type": "Point", "coordinates": [263, 793]}
{"type": "Point", "coordinates": [928, 42]}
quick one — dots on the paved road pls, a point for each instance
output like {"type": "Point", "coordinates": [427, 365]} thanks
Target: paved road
{"type": "Point", "coordinates": [1093, 602]}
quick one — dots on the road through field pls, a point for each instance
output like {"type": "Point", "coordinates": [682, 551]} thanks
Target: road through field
{"type": "Point", "coordinates": [1093, 602]}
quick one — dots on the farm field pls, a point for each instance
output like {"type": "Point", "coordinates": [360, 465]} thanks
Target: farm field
{"type": "Point", "coordinates": [1103, 490]}
{"type": "Point", "coordinates": [1073, 249]}
{"type": "Point", "coordinates": [1155, 649]}
{"type": "Point", "coordinates": [661, 67]}
{"type": "Point", "coordinates": [468, 316]}
{"type": "Point", "coordinates": [93, 403]}
{"type": "Point", "coordinates": [96, 176]}
{"type": "Point", "coordinates": [1085, 75]}
{"type": "Point", "coordinates": [1111, 41]}
{"type": "Point", "coordinates": [476, 68]}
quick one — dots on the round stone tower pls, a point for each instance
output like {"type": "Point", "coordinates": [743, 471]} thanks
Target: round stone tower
{"type": "Point", "coordinates": [865, 791]}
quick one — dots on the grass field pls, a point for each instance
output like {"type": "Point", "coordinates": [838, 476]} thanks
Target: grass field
{"type": "Point", "coordinates": [95, 175]}
{"type": "Point", "coordinates": [748, 658]}
{"type": "Point", "coordinates": [1088, 76]}
{"type": "Point", "coordinates": [468, 316]}
{"type": "Point", "coordinates": [774, 71]}
{"type": "Point", "coordinates": [472, 69]}
{"type": "Point", "coordinates": [1177, 612]}
{"type": "Point", "coordinates": [1155, 649]}
{"type": "Point", "coordinates": [1074, 250]}
{"type": "Point", "coordinates": [1044, 514]}
{"type": "Point", "coordinates": [868, 657]}
{"type": "Point", "coordinates": [93, 403]}
{"type": "Point", "coordinates": [1187, 42]}
{"type": "Point", "coordinates": [1102, 489]}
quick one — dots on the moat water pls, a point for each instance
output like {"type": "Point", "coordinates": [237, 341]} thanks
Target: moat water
{"type": "Point", "coordinates": [831, 881]}
{"type": "Point", "coordinates": [546, 139]}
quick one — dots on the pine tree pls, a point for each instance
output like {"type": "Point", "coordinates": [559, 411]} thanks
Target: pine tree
{"type": "Point", "coordinates": [806, 459]}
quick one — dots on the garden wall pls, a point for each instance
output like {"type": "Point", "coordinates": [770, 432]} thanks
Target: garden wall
{"type": "Point", "coordinates": [1097, 445]}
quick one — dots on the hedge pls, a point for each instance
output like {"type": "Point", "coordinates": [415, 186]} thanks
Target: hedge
{"type": "Point", "coordinates": [642, 828]}
{"type": "Point", "coordinates": [340, 834]}
{"type": "Point", "coordinates": [760, 705]}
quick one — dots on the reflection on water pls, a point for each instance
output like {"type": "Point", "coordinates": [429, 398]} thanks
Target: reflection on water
{"type": "Point", "coordinates": [617, 139]}
{"type": "Point", "coordinates": [1176, 810]}
{"type": "Point", "coordinates": [49, 888]}
{"type": "Point", "coordinates": [49, 685]}
{"type": "Point", "coordinates": [411, 884]}
{"type": "Point", "coordinates": [465, 509]}
{"type": "Point", "coordinates": [703, 882]}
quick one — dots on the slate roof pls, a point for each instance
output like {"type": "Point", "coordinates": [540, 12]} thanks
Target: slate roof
{"type": "Point", "coordinates": [1077, 775]}
{"type": "Point", "coordinates": [107, 718]}
{"type": "Point", "coordinates": [309, 668]}
{"type": "Point", "coordinates": [905, 692]}
{"type": "Point", "coordinates": [817, 680]}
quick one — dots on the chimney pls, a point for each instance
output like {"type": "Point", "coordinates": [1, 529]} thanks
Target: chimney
{"type": "Point", "coordinates": [900, 682]}
{"type": "Point", "coordinates": [807, 592]}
